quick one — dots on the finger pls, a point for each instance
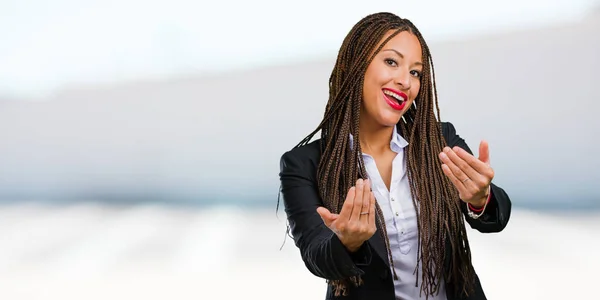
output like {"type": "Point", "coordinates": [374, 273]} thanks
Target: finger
{"type": "Point", "coordinates": [348, 204]}
{"type": "Point", "coordinates": [366, 197]}
{"type": "Point", "coordinates": [470, 181]}
{"type": "Point", "coordinates": [454, 170]}
{"type": "Point", "coordinates": [366, 201]}
{"type": "Point", "coordinates": [467, 189]}
{"type": "Point", "coordinates": [334, 216]}
{"type": "Point", "coordinates": [479, 166]}
{"type": "Point", "coordinates": [457, 183]}
{"type": "Point", "coordinates": [326, 216]}
{"type": "Point", "coordinates": [372, 209]}
{"type": "Point", "coordinates": [461, 169]}
{"type": "Point", "coordinates": [484, 152]}
{"type": "Point", "coordinates": [358, 200]}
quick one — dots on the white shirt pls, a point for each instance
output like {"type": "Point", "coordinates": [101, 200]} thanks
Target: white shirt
{"type": "Point", "coordinates": [400, 220]}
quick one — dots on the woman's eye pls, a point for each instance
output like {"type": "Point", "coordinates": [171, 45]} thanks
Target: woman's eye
{"type": "Point", "coordinates": [415, 73]}
{"type": "Point", "coordinates": [390, 62]}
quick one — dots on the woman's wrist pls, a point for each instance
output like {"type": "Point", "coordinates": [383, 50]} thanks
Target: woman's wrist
{"type": "Point", "coordinates": [477, 207]}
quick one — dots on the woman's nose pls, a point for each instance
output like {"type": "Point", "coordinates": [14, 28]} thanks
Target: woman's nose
{"type": "Point", "coordinates": [403, 80]}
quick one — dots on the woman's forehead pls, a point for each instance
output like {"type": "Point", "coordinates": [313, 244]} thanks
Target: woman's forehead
{"type": "Point", "coordinates": [404, 44]}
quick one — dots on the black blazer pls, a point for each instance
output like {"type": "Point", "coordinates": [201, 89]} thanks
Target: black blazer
{"type": "Point", "coordinates": [323, 253]}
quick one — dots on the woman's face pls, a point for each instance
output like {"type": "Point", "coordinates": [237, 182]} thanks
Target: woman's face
{"type": "Point", "coordinates": [392, 80]}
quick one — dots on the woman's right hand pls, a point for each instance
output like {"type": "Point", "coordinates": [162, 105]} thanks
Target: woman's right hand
{"type": "Point", "coordinates": [356, 221]}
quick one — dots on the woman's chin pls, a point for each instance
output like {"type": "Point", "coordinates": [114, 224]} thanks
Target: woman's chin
{"type": "Point", "coordinates": [390, 120]}
{"type": "Point", "coordinates": [383, 117]}
{"type": "Point", "coordinates": [391, 117]}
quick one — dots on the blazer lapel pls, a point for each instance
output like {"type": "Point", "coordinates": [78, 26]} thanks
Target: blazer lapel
{"type": "Point", "coordinates": [378, 244]}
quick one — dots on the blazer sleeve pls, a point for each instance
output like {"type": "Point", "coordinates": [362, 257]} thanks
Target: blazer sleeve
{"type": "Point", "coordinates": [321, 250]}
{"type": "Point", "coordinates": [497, 213]}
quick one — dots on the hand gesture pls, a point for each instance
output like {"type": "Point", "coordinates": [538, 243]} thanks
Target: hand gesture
{"type": "Point", "coordinates": [356, 221]}
{"type": "Point", "coordinates": [471, 176]}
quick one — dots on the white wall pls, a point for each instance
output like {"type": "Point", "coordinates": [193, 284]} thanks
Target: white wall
{"type": "Point", "coordinates": [532, 94]}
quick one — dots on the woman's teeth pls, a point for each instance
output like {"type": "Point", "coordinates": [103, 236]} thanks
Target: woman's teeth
{"type": "Point", "coordinates": [394, 95]}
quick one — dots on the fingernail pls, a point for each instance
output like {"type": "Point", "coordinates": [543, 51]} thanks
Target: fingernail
{"type": "Point", "coordinates": [443, 155]}
{"type": "Point", "coordinates": [359, 181]}
{"type": "Point", "coordinates": [446, 149]}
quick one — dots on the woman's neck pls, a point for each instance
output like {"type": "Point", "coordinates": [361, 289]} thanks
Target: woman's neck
{"type": "Point", "coordinates": [375, 139]}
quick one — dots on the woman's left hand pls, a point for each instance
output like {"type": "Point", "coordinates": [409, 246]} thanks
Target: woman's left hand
{"type": "Point", "coordinates": [471, 176]}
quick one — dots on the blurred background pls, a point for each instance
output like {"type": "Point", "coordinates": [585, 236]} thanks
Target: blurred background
{"type": "Point", "coordinates": [140, 140]}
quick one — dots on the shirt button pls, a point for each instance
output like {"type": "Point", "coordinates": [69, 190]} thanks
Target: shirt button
{"type": "Point", "coordinates": [393, 199]}
{"type": "Point", "coordinates": [397, 214]}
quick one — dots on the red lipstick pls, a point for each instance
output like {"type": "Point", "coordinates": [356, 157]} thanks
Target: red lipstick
{"type": "Point", "coordinates": [392, 100]}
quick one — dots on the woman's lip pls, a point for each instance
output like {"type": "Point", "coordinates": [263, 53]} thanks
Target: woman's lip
{"type": "Point", "coordinates": [393, 103]}
{"type": "Point", "coordinates": [401, 94]}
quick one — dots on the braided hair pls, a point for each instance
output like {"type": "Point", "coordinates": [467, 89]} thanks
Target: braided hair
{"type": "Point", "coordinates": [439, 216]}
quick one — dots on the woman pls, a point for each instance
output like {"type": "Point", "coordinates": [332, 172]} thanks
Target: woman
{"type": "Point", "coordinates": [376, 205]}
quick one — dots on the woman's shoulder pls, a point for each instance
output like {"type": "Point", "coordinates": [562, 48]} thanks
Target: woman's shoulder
{"type": "Point", "coordinates": [305, 156]}
{"type": "Point", "coordinates": [448, 130]}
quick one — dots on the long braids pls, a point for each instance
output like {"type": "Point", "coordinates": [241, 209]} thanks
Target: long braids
{"type": "Point", "coordinates": [435, 198]}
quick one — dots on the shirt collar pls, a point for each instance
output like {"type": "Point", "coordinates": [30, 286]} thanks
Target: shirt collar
{"type": "Point", "coordinates": [397, 142]}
